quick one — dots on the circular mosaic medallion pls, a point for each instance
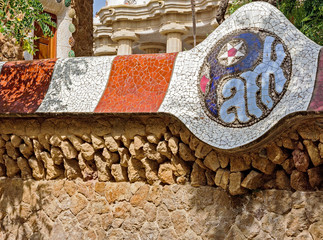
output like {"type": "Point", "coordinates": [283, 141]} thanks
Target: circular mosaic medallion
{"type": "Point", "coordinates": [244, 77]}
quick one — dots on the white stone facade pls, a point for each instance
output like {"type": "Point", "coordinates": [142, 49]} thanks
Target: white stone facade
{"type": "Point", "coordinates": [151, 26]}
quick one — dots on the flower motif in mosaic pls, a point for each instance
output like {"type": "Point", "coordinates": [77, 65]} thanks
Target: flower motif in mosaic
{"type": "Point", "coordinates": [24, 85]}
{"type": "Point", "coordinates": [244, 77]}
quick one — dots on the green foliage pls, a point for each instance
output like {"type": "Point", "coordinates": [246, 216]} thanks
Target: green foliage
{"type": "Point", "coordinates": [18, 19]}
{"type": "Point", "coordinates": [306, 15]}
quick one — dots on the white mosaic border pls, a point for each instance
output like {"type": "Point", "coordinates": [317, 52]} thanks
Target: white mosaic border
{"type": "Point", "coordinates": [1, 64]}
{"type": "Point", "coordinates": [182, 98]}
{"type": "Point", "coordinates": [77, 84]}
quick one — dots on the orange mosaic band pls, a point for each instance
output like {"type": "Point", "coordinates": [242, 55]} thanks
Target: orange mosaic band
{"type": "Point", "coordinates": [24, 85]}
{"type": "Point", "coordinates": [137, 83]}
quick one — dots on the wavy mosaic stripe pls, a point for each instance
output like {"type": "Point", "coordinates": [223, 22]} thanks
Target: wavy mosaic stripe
{"type": "Point", "coordinates": [138, 83]}
{"type": "Point", "coordinates": [77, 84]}
{"type": "Point", "coordinates": [23, 85]}
{"type": "Point", "coordinates": [317, 100]}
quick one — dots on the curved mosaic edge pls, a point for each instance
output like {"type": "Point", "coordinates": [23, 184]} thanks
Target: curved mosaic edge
{"type": "Point", "coordinates": [182, 99]}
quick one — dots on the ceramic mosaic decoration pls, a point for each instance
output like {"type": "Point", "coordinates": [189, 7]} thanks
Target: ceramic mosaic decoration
{"type": "Point", "coordinates": [255, 69]}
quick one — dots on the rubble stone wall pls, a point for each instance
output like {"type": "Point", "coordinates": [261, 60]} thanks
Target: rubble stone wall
{"type": "Point", "coordinates": [63, 209]}
{"type": "Point", "coordinates": [145, 178]}
{"type": "Point", "coordinates": [156, 150]}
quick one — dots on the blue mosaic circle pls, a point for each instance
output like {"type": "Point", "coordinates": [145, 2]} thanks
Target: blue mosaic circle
{"type": "Point", "coordinates": [244, 77]}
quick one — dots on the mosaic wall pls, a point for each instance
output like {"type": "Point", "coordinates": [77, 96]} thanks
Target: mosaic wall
{"type": "Point", "coordinates": [253, 70]}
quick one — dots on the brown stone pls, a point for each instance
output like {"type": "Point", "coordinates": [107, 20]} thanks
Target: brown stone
{"type": "Point", "coordinates": [72, 169]}
{"type": "Point", "coordinates": [55, 141]}
{"type": "Point", "coordinates": [150, 152]}
{"type": "Point", "coordinates": [299, 181]}
{"type": "Point", "coordinates": [38, 170]}
{"type": "Point", "coordinates": [179, 221]}
{"type": "Point", "coordinates": [313, 152]}
{"type": "Point", "coordinates": [194, 142]}
{"type": "Point", "coordinates": [320, 147]}
{"type": "Point", "coordinates": [118, 192]}
{"type": "Point", "coordinates": [44, 140]}
{"type": "Point", "coordinates": [138, 154]}
{"type": "Point", "coordinates": [185, 152]}
{"type": "Point", "coordinates": [87, 151]}
{"type": "Point", "coordinates": [202, 150]}
{"type": "Point", "coordinates": [139, 142]}
{"type": "Point", "coordinates": [11, 166]}
{"type": "Point", "coordinates": [163, 149]}
{"type": "Point", "coordinates": [152, 139]}
{"type": "Point", "coordinates": [288, 165]}
{"type": "Point", "coordinates": [139, 198]}
{"type": "Point", "coordinates": [136, 170]}
{"type": "Point", "coordinates": [76, 141]}
{"type": "Point", "coordinates": [57, 155]}
{"type": "Point", "coordinates": [301, 160]}
{"type": "Point", "coordinates": [224, 160]}
{"type": "Point", "coordinates": [185, 135]}
{"type": "Point", "coordinates": [151, 170]}
{"type": "Point", "coordinates": [222, 177]}
{"type": "Point", "coordinates": [309, 132]}
{"type": "Point", "coordinates": [37, 149]}
{"type": "Point", "coordinates": [210, 175]}
{"type": "Point", "coordinates": [15, 140]}
{"type": "Point", "coordinates": [316, 230]}
{"type": "Point", "coordinates": [52, 170]}
{"type": "Point", "coordinates": [253, 180]}
{"type": "Point", "coordinates": [288, 143]}
{"type": "Point", "coordinates": [198, 176]}
{"type": "Point", "coordinates": [26, 150]}
{"type": "Point", "coordinates": [110, 157]}
{"type": "Point", "coordinates": [240, 163]}
{"type": "Point", "coordinates": [98, 142]}
{"type": "Point", "coordinates": [282, 180]}
{"type": "Point", "coordinates": [262, 164]}
{"type": "Point", "coordinates": [24, 168]}
{"type": "Point", "coordinates": [124, 156]}
{"type": "Point", "coordinates": [78, 203]}
{"type": "Point", "coordinates": [104, 173]}
{"type": "Point", "coordinates": [181, 167]}
{"type": "Point", "coordinates": [173, 145]}
{"type": "Point", "coordinates": [175, 128]}
{"type": "Point", "coordinates": [134, 128]}
{"type": "Point", "coordinates": [293, 135]}
{"type": "Point", "coordinates": [111, 143]}
{"type": "Point", "coordinates": [126, 141]}
{"type": "Point", "coordinates": [165, 173]}
{"type": "Point", "coordinates": [156, 126]}
{"type": "Point", "coordinates": [235, 184]}
{"type": "Point", "coordinates": [315, 176]}
{"type": "Point", "coordinates": [68, 150]}
{"type": "Point", "coordinates": [201, 164]}
{"type": "Point", "coordinates": [275, 153]}
{"type": "Point", "coordinates": [212, 161]}
{"type": "Point", "coordinates": [12, 151]}
{"type": "Point", "coordinates": [119, 173]}
{"type": "Point", "coordinates": [88, 168]}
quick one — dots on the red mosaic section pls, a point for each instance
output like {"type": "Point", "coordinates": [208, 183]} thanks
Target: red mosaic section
{"type": "Point", "coordinates": [137, 83]}
{"type": "Point", "coordinates": [24, 84]}
{"type": "Point", "coordinates": [317, 99]}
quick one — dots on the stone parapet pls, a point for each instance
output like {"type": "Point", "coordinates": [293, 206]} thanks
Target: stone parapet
{"type": "Point", "coordinates": [158, 150]}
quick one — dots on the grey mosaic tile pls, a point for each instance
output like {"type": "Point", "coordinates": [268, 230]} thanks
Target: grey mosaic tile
{"type": "Point", "coordinates": [77, 84]}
